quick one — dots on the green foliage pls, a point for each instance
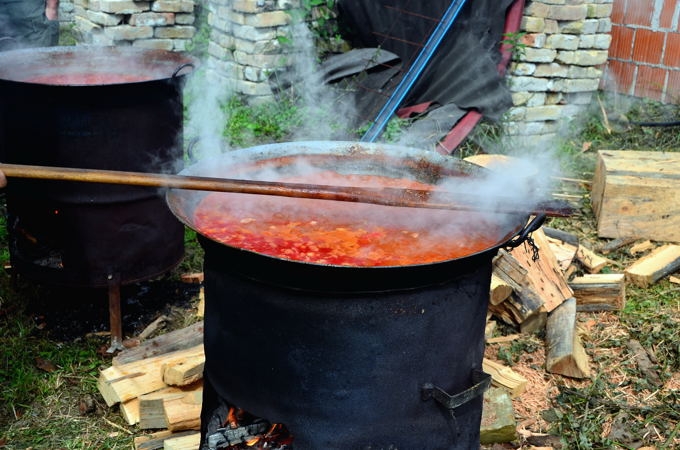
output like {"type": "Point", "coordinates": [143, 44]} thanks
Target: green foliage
{"type": "Point", "coordinates": [248, 125]}
{"type": "Point", "coordinates": [516, 44]}
{"type": "Point", "coordinates": [198, 46]}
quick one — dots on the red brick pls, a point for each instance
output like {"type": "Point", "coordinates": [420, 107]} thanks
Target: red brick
{"type": "Point", "coordinates": [672, 56]}
{"type": "Point", "coordinates": [639, 12]}
{"type": "Point", "coordinates": [648, 46]}
{"type": "Point", "coordinates": [621, 46]}
{"type": "Point", "coordinates": [619, 11]}
{"type": "Point", "coordinates": [666, 19]}
{"type": "Point", "coordinates": [649, 83]}
{"type": "Point", "coordinates": [673, 87]}
{"type": "Point", "coordinates": [619, 76]}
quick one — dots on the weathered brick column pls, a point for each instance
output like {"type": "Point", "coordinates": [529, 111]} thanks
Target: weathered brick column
{"type": "Point", "coordinates": [247, 43]}
{"type": "Point", "coordinates": [161, 24]}
{"type": "Point", "coordinates": [555, 75]}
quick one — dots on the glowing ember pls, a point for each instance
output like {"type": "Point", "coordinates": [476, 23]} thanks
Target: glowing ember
{"type": "Point", "coordinates": [342, 233]}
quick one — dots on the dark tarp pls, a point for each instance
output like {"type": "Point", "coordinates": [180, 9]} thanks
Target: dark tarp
{"type": "Point", "coordinates": [461, 75]}
{"type": "Point", "coordinates": [23, 24]}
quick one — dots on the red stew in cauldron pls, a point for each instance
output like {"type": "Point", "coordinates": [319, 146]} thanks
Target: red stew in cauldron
{"type": "Point", "coordinates": [342, 233]}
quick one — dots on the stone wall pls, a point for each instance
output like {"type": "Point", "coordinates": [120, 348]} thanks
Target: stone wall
{"type": "Point", "coordinates": [554, 74]}
{"type": "Point", "coordinates": [160, 24]}
{"type": "Point", "coordinates": [246, 38]}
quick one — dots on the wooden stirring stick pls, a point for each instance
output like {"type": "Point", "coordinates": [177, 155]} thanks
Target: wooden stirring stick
{"type": "Point", "coordinates": [387, 196]}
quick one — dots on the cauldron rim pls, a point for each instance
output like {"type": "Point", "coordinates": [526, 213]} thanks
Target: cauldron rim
{"type": "Point", "coordinates": [176, 197]}
{"type": "Point", "coordinates": [20, 65]}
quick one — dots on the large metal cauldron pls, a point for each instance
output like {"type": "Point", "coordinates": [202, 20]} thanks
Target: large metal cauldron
{"type": "Point", "coordinates": [117, 108]}
{"type": "Point", "coordinates": [346, 357]}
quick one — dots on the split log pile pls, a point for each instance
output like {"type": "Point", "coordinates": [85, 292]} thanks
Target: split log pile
{"type": "Point", "coordinates": [158, 386]}
{"type": "Point", "coordinates": [534, 288]}
{"type": "Point", "coordinates": [546, 294]}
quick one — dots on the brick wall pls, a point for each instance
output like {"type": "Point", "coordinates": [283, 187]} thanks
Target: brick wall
{"type": "Point", "coordinates": [160, 24]}
{"type": "Point", "coordinates": [555, 75]}
{"type": "Point", "coordinates": [644, 60]}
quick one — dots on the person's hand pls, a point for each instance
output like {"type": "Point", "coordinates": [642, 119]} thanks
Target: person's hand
{"type": "Point", "coordinates": [52, 9]}
{"type": "Point", "coordinates": [3, 179]}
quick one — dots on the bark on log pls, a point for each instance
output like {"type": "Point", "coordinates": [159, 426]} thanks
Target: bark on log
{"type": "Point", "coordinates": [565, 354]}
{"type": "Point", "coordinates": [599, 292]}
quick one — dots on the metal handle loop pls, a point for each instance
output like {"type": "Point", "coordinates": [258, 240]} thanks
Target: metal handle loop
{"type": "Point", "coordinates": [182, 66]}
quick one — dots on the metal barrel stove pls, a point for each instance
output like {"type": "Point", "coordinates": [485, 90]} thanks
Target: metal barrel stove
{"type": "Point", "coordinates": [346, 357]}
{"type": "Point", "coordinates": [92, 107]}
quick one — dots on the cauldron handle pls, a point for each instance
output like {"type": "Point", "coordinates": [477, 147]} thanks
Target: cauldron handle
{"type": "Point", "coordinates": [182, 66]}
{"type": "Point", "coordinates": [482, 382]}
{"type": "Point", "coordinates": [525, 235]}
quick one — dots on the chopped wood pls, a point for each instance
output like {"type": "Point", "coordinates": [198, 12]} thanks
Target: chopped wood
{"type": "Point", "coordinates": [524, 301]}
{"type": "Point", "coordinates": [489, 329]}
{"type": "Point", "coordinates": [544, 274]}
{"type": "Point", "coordinates": [498, 419]}
{"type": "Point", "coordinates": [674, 280]}
{"type": "Point", "coordinates": [637, 193]}
{"type": "Point", "coordinates": [564, 252]}
{"type": "Point", "coordinates": [184, 372]}
{"type": "Point", "coordinates": [154, 441]}
{"type": "Point", "coordinates": [169, 342]}
{"type": "Point", "coordinates": [127, 381]}
{"type": "Point", "coordinates": [591, 261]}
{"type": "Point", "coordinates": [562, 236]}
{"type": "Point", "coordinates": [130, 411]}
{"type": "Point", "coordinates": [616, 244]}
{"type": "Point", "coordinates": [644, 363]}
{"type": "Point", "coordinates": [200, 308]}
{"type": "Point", "coordinates": [184, 413]}
{"type": "Point", "coordinates": [502, 339]}
{"type": "Point", "coordinates": [641, 247]}
{"type": "Point", "coordinates": [188, 442]}
{"type": "Point", "coordinates": [654, 266]}
{"type": "Point", "coordinates": [535, 323]}
{"type": "Point", "coordinates": [151, 411]}
{"type": "Point", "coordinates": [600, 292]}
{"type": "Point", "coordinates": [195, 278]}
{"type": "Point", "coordinates": [565, 354]}
{"type": "Point", "coordinates": [499, 291]}
{"type": "Point", "coordinates": [503, 376]}
{"type": "Point", "coordinates": [151, 328]}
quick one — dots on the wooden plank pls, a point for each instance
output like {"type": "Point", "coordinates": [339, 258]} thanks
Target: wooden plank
{"type": "Point", "coordinates": [651, 268]}
{"type": "Point", "coordinates": [130, 411]}
{"type": "Point", "coordinates": [154, 441]}
{"type": "Point", "coordinates": [184, 372]}
{"type": "Point", "coordinates": [565, 354]}
{"type": "Point", "coordinates": [127, 381]}
{"type": "Point", "coordinates": [600, 292]}
{"type": "Point", "coordinates": [169, 342]}
{"type": "Point", "coordinates": [503, 376]}
{"type": "Point", "coordinates": [590, 260]}
{"type": "Point", "coordinates": [151, 412]}
{"type": "Point", "coordinates": [188, 442]}
{"type": "Point", "coordinates": [184, 413]}
{"type": "Point", "coordinates": [637, 194]}
{"type": "Point", "coordinates": [499, 291]}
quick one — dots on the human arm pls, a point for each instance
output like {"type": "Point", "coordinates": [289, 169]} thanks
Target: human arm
{"type": "Point", "coordinates": [52, 9]}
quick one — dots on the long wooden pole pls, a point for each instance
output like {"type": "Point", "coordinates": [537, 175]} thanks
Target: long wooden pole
{"type": "Point", "coordinates": [388, 196]}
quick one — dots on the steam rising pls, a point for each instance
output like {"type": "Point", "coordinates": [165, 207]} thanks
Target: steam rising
{"type": "Point", "coordinates": [519, 185]}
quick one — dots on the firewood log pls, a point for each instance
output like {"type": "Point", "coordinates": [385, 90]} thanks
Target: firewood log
{"type": "Point", "coordinates": [565, 353]}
